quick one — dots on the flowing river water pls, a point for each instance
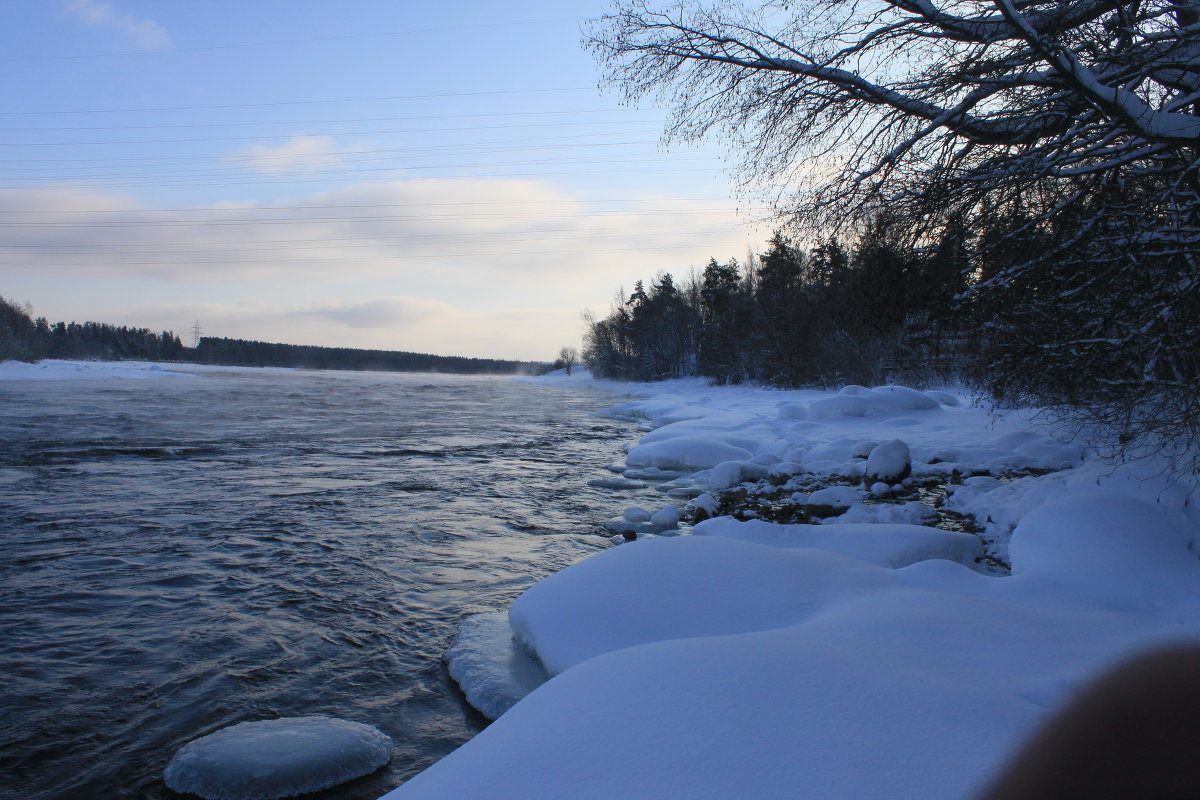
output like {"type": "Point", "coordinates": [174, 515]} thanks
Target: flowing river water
{"type": "Point", "coordinates": [183, 553]}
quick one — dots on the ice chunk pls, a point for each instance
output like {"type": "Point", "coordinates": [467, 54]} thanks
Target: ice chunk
{"type": "Point", "coordinates": [615, 483]}
{"type": "Point", "coordinates": [491, 669]}
{"type": "Point", "coordinates": [277, 758]}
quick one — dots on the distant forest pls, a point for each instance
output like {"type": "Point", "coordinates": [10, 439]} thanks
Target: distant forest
{"type": "Point", "coordinates": [23, 338]}
{"type": "Point", "coordinates": [790, 317]}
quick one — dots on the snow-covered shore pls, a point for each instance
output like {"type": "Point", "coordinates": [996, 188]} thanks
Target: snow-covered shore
{"type": "Point", "coordinates": [867, 658]}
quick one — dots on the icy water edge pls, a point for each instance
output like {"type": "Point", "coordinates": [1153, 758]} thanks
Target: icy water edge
{"type": "Point", "coordinates": [181, 554]}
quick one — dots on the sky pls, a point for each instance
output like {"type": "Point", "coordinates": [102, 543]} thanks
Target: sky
{"type": "Point", "coordinates": [434, 177]}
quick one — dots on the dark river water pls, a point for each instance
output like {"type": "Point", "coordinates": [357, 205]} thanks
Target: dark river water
{"type": "Point", "coordinates": [181, 554]}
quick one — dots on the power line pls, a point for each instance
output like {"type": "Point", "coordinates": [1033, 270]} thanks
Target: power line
{"type": "Point", "coordinates": [364, 205]}
{"type": "Point", "coordinates": [613, 233]}
{"type": "Point", "coordinates": [352, 220]}
{"type": "Point", "coordinates": [624, 111]}
{"type": "Point", "coordinates": [234, 172]}
{"type": "Point", "coordinates": [280, 103]}
{"type": "Point", "coordinates": [473, 254]}
{"type": "Point", "coordinates": [323, 133]}
{"type": "Point", "coordinates": [207, 48]}
{"type": "Point", "coordinates": [219, 183]}
{"type": "Point", "coordinates": [466, 147]}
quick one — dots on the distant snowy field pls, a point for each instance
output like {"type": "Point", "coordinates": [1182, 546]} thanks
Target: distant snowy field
{"type": "Point", "coordinates": [866, 658]}
{"type": "Point", "coordinates": [57, 370]}
{"type": "Point", "coordinates": [52, 369]}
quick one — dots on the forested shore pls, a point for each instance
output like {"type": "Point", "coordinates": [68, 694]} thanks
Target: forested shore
{"type": "Point", "coordinates": [24, 338]}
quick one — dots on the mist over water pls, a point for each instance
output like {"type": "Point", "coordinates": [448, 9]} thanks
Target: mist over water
{"type": "Point", "coordinates": [181, 554]}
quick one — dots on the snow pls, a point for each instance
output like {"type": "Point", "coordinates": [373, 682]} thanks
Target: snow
{"type": "Point", "coordinates": [889, 462]}
{"type": "Point", "coordinates": [882, 544]}
{"type": "Point", "coordinates": [277, 758]}
{"type": "Point", "coordinates": [862, 657]}
{"type": "Point", "coordinates": [488, 665]}
{"type": "Point", "coordinates": [685, 452]}
{"type": "Point", "coordinates": [57, 370]}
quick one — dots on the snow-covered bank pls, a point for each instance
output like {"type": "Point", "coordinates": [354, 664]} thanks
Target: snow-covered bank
{"type": "Point", "coordinates": [61, 369]}
{"type": "Point", "coordinates": [859, 659]}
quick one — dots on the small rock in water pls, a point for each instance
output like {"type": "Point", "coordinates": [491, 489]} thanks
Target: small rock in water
{"type": "Point", "coordinates": [276, 758]}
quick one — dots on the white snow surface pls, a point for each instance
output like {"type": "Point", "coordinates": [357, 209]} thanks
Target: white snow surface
{"type": "Point", "coordinates": [273, 758]}
{"type": "Point", "coordinates": [844, 660]}
{"type": "Point", "coordinates": [882, 544]}
{"type": "Point", "coordinates": [59, 369]}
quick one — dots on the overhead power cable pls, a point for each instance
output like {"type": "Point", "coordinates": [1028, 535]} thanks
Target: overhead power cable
{"type": "Point", "coordinates": [503, 203]}
{"type": "Point", "coordinates": [277, 42]}
{"type": "Point", "coordinates": [620, 111]}
{"type": "Point", "coordinates": [323, 133]}
{"type": "Point", "coordinates": [424, 240]}
{"type": "Point", "coordinates": [280, 103]}
{"type": "Point", "coordinates": [473, 254]}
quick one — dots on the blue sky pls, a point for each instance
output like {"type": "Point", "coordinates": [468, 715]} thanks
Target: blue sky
{"type": "Point", "coordinates": [434, 177]}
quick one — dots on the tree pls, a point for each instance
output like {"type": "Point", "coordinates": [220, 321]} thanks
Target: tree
{"type": "Point", "coordinates": [1074, 124]}
{"type": "Point", "coordinates": [568, 357]}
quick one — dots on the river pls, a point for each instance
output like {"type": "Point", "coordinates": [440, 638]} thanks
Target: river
{"type": "Point", "coordinates": [183, 553]}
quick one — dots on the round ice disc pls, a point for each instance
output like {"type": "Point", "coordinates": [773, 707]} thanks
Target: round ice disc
{"type": "Point", "coordinates": [275, 758]}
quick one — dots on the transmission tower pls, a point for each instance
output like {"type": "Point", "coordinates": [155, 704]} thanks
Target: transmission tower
{"type": "Point", "coordinates": [196, 331]}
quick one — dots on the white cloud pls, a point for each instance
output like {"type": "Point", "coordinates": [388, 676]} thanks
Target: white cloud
{"type": "Point", "coordinates": [145, 33]}
{"type": "Point", "coordinates": [382, 313]}
{"type": "Point", "coordinates": [483, 267]}
{"type": "Point", "coordinates": [298, 152]}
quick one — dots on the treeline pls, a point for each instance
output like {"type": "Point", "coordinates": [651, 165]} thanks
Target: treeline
{"type": "Point", "coordinates": [23, 338]}
{"type": "Point", "coordinates": [241, 352]}
{"type": "Point", "coordinates": [793, 317]}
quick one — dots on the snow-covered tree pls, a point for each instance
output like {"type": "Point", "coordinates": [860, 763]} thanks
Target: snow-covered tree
{"type": "Point", "coordinates": [1070, 127]}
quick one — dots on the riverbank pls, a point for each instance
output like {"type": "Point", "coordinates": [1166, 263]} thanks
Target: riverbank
{"type": "Point", "coordinates": [861, 653]}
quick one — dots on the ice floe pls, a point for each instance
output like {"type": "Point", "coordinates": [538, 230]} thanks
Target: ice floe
{"type": "Point", "coordinates": [489, 666]}
{"type": "Point", "coordinates": [273, 758]}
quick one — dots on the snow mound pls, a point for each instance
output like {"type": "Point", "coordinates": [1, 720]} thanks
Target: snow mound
{"type": "Point", "coordinates": [656, 589]}
{"type": "Point", "coordinates": [833, 498]}
{"type": "Point", "coordinates": [689, 453]}
{"type": "Point", "coordinates": [855, 401]}
{"type": "Point", "coordinates": [492, 671]}
{"type": "Point", "coordinates": [277, 758]}
{"type": "Point", "coordinates": [889, 462]}
{"type": "Point", "coordinates": [1139, 550]}
{"type": "Point", "coordinates": [731, 473]}
{"type": "Point", "coordinates": [894, 545]}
